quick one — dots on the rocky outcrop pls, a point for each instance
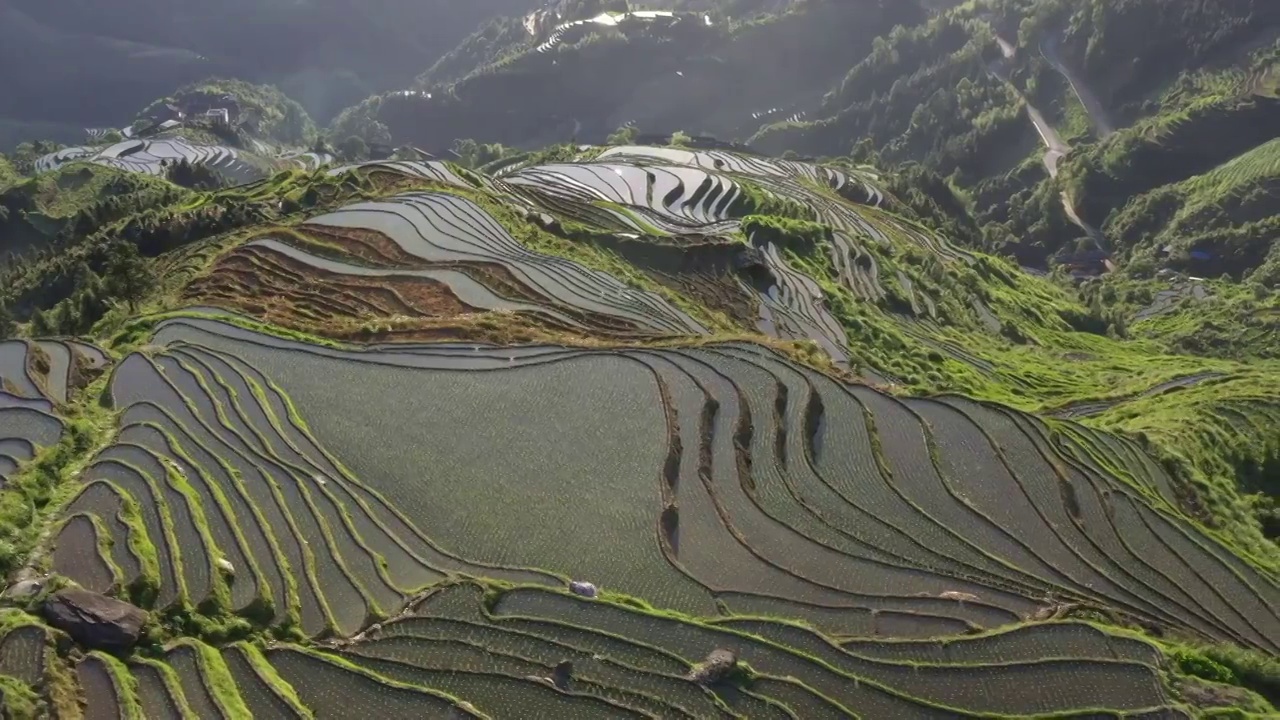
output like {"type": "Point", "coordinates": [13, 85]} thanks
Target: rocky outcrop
{"type": "Point", "coordinates": [95, 621]}
{"type": "Point", "coordinates": [27, 584]}
{"type": "Point", "coordinates": [718, 666]}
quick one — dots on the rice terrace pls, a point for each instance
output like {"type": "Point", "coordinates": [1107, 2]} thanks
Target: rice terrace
{"type": "Point", "coordinates": [398, 508]}
{"type": "Point", "coordinates": [293, 426]}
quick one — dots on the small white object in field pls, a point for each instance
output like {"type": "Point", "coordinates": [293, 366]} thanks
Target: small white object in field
{"type": "Point", "coordinates": [584, 589]}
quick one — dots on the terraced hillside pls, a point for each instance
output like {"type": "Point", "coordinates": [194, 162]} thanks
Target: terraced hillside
{"type": "Point", "coordinates": [37, 380]}
{"type": "Point", "coordinates": [1082, 134]}
{"type": "Point", "coordinates": [634, 432]}
{"type": "Point", "coordinates": [154, 156]}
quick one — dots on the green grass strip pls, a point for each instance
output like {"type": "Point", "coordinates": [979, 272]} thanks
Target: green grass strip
{"type": "Point", "coordinates": [126, 686]}
{"type": "Point", "coordinates": [218, 679]}
{"type": "Point", "coordinates": [267, 672]}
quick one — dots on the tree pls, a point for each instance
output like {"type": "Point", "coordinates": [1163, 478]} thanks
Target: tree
{"type": "Point", "coordinates": [7, 325]}
{"type": "Point", "coordinates": [473, 154]}
{"type": "Point", "coordinates": [680, 138]}
{"type": "Point", "coordinates": [353, 149]}
{"type": "Point", "coordinates": [128, 275]}
{"type": "Point", "coordinates": [24, 157]}
{"type": "Point", "coordinates": [625, 135]}
{"type": "Point", "coordinates": [196, 177]}
{"type": "Point", "coordinates": [40, 324]}
{"type": "Point", "coordinates": [64, 319]}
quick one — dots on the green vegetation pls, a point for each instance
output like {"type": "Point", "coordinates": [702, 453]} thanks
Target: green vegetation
{"type": "Point", "coordinates": [261, 110]}
{"type": "Point", "coordinates": [495, 40]}
{"type": "Point", "coordinates": [20, 701]}
{"type": "Point", "coordinates": [584, 74]}
{"type": "Point", "coordinates": [8, 175]}
{"type": "Point", "coordinates": [257, 505]}
{"type": "Point", "coordinates": [847, 458]}
{"type": "Point", "coordinates": [30, 498]}
{"type": "Point", "coordinates": [74, 201]}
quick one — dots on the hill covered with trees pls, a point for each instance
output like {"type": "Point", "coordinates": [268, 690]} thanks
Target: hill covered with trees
{"type": "Point", "coordinates": [324, 53]}
{"type": "Point", "coordinates": [969, 94]}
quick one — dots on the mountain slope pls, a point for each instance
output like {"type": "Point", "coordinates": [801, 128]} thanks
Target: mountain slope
{"type": "Point", "coordinates": [974, 418]}
{"type": "Point", "coordinates": [663, 73]}
{"type": "Point", "coordinates": [328, 54]}
{"type": "Point", "coordinates": [971, 93]}
{"type": "Point", "coordinates": [359, 440]}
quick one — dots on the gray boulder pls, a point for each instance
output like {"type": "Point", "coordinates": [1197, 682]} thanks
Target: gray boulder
{"type": "Point", "coordinates": [718, 665]}
{"type": "Point", "coordinates": [549, 223]}
{"type": "Point", "coordinates": [583, 589]}
{"type": "Point", "coordinates": [95, 621]}
{"type": "Point", "coordinates": [749, 260]}
{"type": "Point", "coordinates": [24, 589]}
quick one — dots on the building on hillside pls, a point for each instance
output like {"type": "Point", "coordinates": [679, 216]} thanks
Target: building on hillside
{"type": "Point", "coordinates": [1196, 255]}
{"type": "Point", "coordinates": [212, 106]}
{"type": "Point", "coordinates": [218, 116]}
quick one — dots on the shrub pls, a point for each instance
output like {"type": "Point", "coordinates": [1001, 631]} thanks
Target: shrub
{"type": "Point", "coordinates": [353, 149]}
{"type": "Point", "coordinates": [1195, 663]}
{"type": "Point", "coordinates": [799, 234]}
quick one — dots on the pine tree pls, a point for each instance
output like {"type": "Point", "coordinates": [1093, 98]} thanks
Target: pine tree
{"type": "Point", "coordinates": [64, 319]}
{"type": "Point", "coordinates": [40, 324]}
{"type": "Point", "coordinates": [7, 325]}
{"type": "Point", "coordinates": [128, 275]}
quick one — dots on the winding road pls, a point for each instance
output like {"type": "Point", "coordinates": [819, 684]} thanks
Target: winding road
{"type": "Point", "coordinates": [1102, 124]}
{"type": "Point", "coordinates": [1056, 147]}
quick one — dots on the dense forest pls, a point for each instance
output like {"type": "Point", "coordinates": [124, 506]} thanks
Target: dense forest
{"type": "Point", "coordinates": [323, 53]}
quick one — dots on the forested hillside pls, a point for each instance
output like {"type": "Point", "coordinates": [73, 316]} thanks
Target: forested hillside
{"type": "Point", "coordinates": [707, 359]}
{"type": "Point", "coordinates": [1133, 98]}
{"type": "Point", "coordinates": [324, 53]}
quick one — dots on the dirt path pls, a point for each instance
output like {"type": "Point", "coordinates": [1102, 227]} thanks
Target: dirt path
{"type": "Point", "coordinates": [1056, 149]}
{"type": "Point", "coordinates": [1093, 107]}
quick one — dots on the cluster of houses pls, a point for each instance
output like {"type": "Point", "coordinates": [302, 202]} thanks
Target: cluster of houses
{"type": "Point", "coordinates": [222, 111]}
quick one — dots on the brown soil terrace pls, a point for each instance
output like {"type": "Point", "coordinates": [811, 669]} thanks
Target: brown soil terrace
{"type": "Point", "coordinates": [370, 246]}
{"type": "Point", "coordinates": [235, 281]}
